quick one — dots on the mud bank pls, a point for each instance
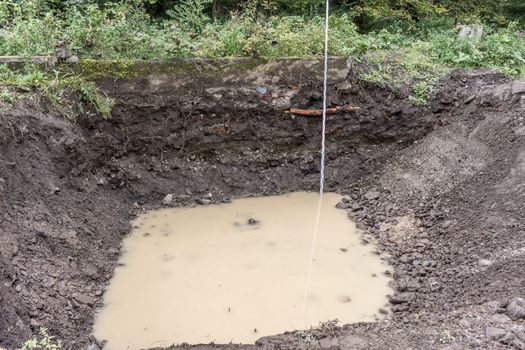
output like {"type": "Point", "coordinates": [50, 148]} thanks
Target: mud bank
{"type": "Point", "coordinates": [441, 188]}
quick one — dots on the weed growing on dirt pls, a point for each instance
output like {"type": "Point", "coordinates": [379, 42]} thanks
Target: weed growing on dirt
{"type": "Point", "coordinates": [325, 329]}
{"type": "Point", "coordinates": [6, 96]}
{"type": "Point", "coordinates": [53, 86]}
{"type": "Point", "coordinates": [421, 93]}
{"type": "Point", "coordinates": [400, 71]}
{"type": "Point", "coordinates": [305, 336]}
{"type": "Point", "coordinates": [446, 337]}
{"type": "Point", "coordinates": [43, 341]}
{"type": "Point", "coordinates": [330, 328]}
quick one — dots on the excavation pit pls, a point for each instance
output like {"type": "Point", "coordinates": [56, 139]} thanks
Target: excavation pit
{"type": "Point", "coordinates": [437, 190]}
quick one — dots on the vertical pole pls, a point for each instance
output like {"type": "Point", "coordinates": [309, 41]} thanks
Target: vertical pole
{"type": "Point", "coordinates": [325, 94]}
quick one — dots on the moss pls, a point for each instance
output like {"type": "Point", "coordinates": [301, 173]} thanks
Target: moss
{"type": "Point", "coordinates": [129, 69]}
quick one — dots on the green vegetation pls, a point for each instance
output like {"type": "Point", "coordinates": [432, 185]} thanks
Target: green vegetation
{"type": "Point", "coordinates": [419, 37]}
{"type": "Point", "coordinates": [57, 88]}
{"type": "Point", "coordinates": [42, 342]}
{"type": "Point", "coordinates": [203, 28]}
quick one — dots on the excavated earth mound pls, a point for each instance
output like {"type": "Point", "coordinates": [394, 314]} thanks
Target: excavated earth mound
{"type": "Point", "coordinates": [440, 188]}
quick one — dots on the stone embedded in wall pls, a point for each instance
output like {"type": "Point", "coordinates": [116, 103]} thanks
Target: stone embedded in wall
{"type": "Point", "coordinates": [471, 31]}
{"type": "Point", "coordinates": [518, 87]}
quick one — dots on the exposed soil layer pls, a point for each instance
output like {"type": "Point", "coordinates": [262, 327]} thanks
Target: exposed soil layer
{"type": "Point", "coordinates": [441, 188]}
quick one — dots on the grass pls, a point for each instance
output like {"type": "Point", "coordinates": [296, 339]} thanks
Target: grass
{"type": "Point", "coordinates": [57, 88]}
{"type": "Point", "coordinates": [325, 329]}
{"type": "Point", "coordinates": [124, 31]}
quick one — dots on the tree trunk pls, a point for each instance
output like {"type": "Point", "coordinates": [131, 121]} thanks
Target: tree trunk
{"type": "Point", "coordinates": [214, 10]}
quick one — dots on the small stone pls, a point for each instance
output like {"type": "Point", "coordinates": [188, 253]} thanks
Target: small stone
{"type": "Point", "coordinates": [518, 87]}
{"type": "Point", "coordinates": [53, 189]}
{"type": "Point", "coordinates": [168, 199]}
{"type": "Point", "coordinates": [83, 299]}
{"type": "Point", "coordinates": [73, 59]}
{"type": "Point", "coordinates": [402, 298]}
{"type": "Point", "coordinates": [475, 343]}
{"type": "Point", "coordinates": [446, 224]}
{"type": "Point", "coordinates": [328, 343]}
{"type": "Point", "coordinates": [252, 221]}
{"type": "Point", "coordinates": [464, 323]}
{"type": "Point", "coordinates": [517, 344]}
{"type": "Point", "coordinates": [447, 100]}
{"type": "Point", "coordinates": [90, 271]}
{"type": "Point", "coordinates": [495, 333]}
{"type": "Point", "coordinates": [502, 92]}
{"type": "Point", "coordinates": [516, 309]}
{"type": "Point", "coordinates": [399, 308]}
{"type": "Point", "coordinates": [371, 195]}
{"type": "Point", "coordinates": [383, 311]}
{"type": "Point", "coordinates": [484, 262]}
{"type": "Point", "coordinates": [520, 333]}
{"type": "Point", "coordinates": [203, 201]}
{"type": "Point", "coordinates": [342, 205]}
{"type": "Point", "coordinates": [509, 338]}
{"type": "Point", "coordinates": [345, 200]}
{"type": "Point", "coordinates": [356, 207]}
{"type": "Point", "coordinates": [470, 99]}
{"type": "Point", "coordinates": [262, 90]}
{"type": "Point", "coordinates": [344, 87]}
{"type": "Point", "coordinates": [93, 347]}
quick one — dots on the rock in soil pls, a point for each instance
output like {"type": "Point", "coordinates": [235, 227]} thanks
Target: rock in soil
{"type": "Point", "coordinates": [516, 308]}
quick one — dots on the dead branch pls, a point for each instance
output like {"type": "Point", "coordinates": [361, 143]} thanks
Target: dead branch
{"type": "Point", "coordinates": [319, 112]}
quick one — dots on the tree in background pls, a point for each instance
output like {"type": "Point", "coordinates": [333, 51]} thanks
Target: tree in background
{"type": "Point", "coordinates": [514, 9]}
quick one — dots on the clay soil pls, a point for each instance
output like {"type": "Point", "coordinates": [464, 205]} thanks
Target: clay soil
{"type": "Point", "coordinates": [440, 189]}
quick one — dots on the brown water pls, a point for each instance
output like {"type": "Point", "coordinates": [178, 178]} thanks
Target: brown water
{"type": "Point", "coordinates": [209, 273]}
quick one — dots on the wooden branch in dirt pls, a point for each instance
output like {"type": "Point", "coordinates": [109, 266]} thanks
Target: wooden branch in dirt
{"type": "Point", "coordinates": [319, 112]}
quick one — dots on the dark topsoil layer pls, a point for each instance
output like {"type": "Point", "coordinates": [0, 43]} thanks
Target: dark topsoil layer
{"type": "Point", "coordinates": [441, 188]}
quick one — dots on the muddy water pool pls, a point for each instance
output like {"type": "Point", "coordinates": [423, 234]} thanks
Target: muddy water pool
{"type": "Point", "coordinates": [237, 272]}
